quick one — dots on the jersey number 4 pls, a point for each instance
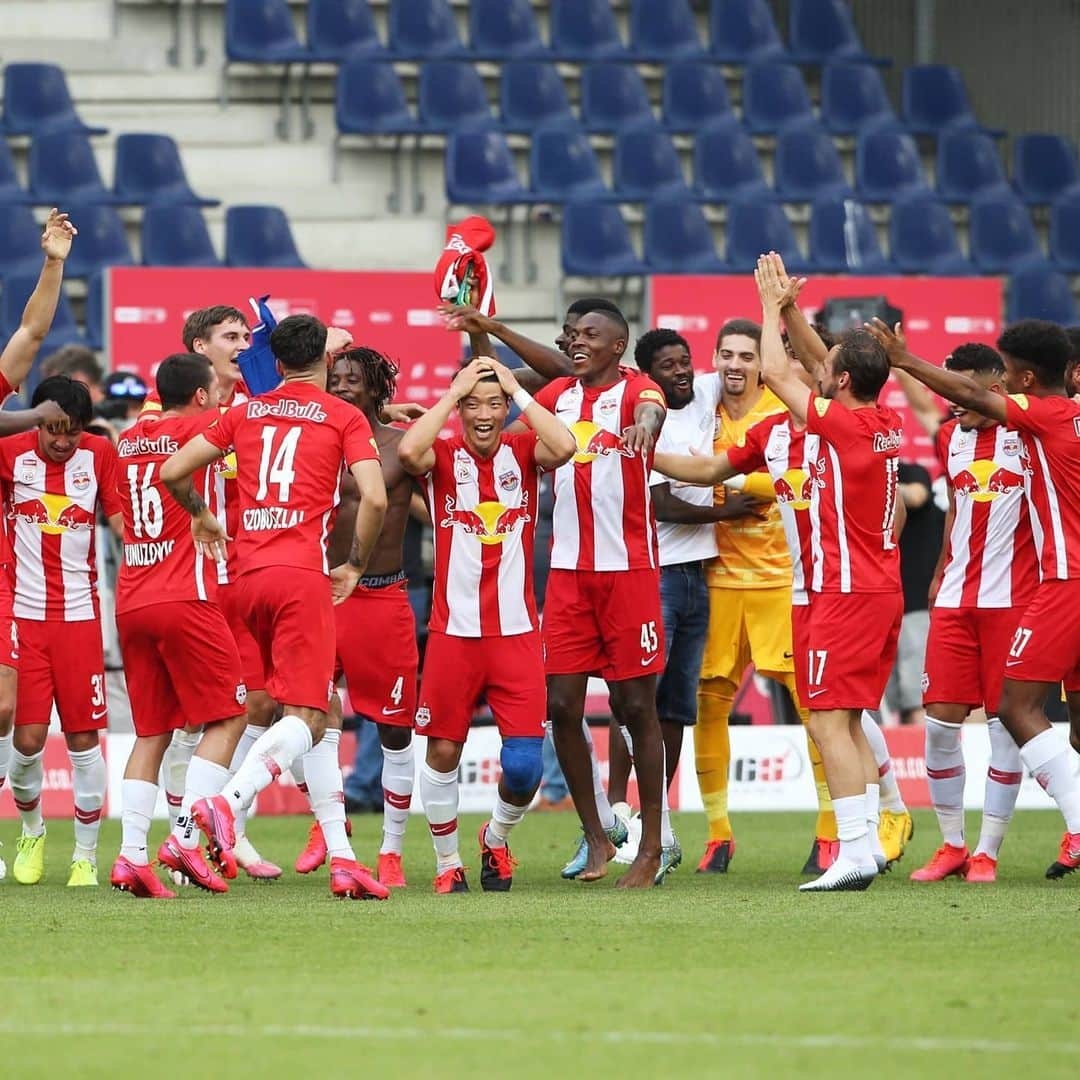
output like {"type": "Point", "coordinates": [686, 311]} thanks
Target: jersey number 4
{"type": "Point", "coordinates": [276, 462]}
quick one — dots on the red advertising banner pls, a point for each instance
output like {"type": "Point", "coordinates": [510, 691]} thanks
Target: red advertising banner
{"type": "Point", "coordinates": [938, 315]}
{"type": "Point", "coordinates": [392, 312]}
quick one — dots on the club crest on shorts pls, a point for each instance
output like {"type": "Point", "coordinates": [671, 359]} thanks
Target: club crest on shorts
{"type": "Point", "coordinates": [925, 681]}
{"type": "Point", "coordinates": [423, 716]}
{"type": "Point", "coordinates": [241, 693]}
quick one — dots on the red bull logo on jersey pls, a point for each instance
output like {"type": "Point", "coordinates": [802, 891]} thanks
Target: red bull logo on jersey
{"type": "Point", "coordinates": [53, 514]}
{"type": "Point", "coordinates": [489, 522]}
{"type": "Point", "coordinates": [593, 441]}
{"type": "Point", "coordinates": [794, 488]}
{"type": "Point", "coordinates": [984, 481]}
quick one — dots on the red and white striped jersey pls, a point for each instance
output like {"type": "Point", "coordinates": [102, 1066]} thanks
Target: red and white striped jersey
{"type": "Point", "coordinates": [603, 518]}
{"type": "Point", "coordinates": [484, 514]}
{"type": "Point", "coordinates": [853, 506]}
{"type": "Point", "coordinates": [990, 554]}
{"type": "Point", "coordinates": [52, 511]}
{"type": "Point", "coordinates": [788, 453]}
{"type": "Point", "coordinates": [1050, 430]}
{"type": "Point", "coordinates": [160, 563]}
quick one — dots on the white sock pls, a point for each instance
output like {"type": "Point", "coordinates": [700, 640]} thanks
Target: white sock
{"type": "Point", "coordinates": [1002, 787]}
{"type": "Point", "coordinates": [89, 779]}
{"type": "Point", "coordinates": [246, 741]}
{"type": "Point", "coordinates": [851, 830]}
{"type": "Point", "coordinates": [603, 807]}
{"type": "Point", "coordinates": [27, 774]}
{"type": "Point", "coordinates": [272, 753]}
{"type": "Point", "coordinates": [204, 778]}
{"type": "Point", "coordinates": [174, 766]}
{"type": "Point", "coordinates": [138, 797]}
{"type": "Point", "coordinates": [873, 819]}
{"type": "Point", "coordinates": [504, 817]}
{"type": "Point", "coordinates": [945, 775]}
{"type": "Point", "coordinates": [439, 794]}
{"type": "Point", "coordinates": [5, 755]}
{"type": "Point", "coordinates": [323, 771]}
{"type": "Point", "coordinates": [398, 776]}
{"type": "Point", "coordinates": [1050, 761]}
{"type": "Point", "coordinates": [667, 833]}
{"type": "Point", "coordinates": [891, 799]}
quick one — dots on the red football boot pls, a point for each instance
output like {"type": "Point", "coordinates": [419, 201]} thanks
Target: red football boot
{"type": "Point", "coordinates": [452, 880]}
{"type": "Point", "coordinates": [190, 863]}
{"type": "Point", "coordinates": [947, 861]}
{"type": "Point", "coordinates": [215, 819]}
{"type": "Point", "coordinates": [496, 865]}
{"type": "Point", "coordinates": [355, 881]}
{"type": "Point", "coordinates": [390, 871]}
{"type": "Point", "coordinates": [139, 880]}
{"type": "Point", "coordinates": [314, 853]}
{"type": "Point", "coordinates": [1068, 857]}
{"type": "Point", "coordinates": [982, 869]}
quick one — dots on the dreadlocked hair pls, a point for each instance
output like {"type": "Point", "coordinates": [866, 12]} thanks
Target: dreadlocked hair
{"type": "Point", "coordinates": [380, 373]}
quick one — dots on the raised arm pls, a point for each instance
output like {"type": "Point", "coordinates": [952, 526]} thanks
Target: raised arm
{"type": "Point", "coordinates": [48, 412]}
{"type": "Point", "coordinates": [556, 444]}
{"type": "Point", "coordinates": [37, 316]}
{"type": "Point", "coordinates": [775, 369]}
{"type": "Point", "coordinates": [923, 406]}
{"type": "Point", "coordinates": [806, 345]}
{"type": "Point", "coordinates": [949, 384]}
{"type": "Point", "coordinates": [548, 363]}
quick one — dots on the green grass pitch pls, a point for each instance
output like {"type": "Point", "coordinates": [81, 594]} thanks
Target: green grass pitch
{"type": "Point", "coordinates": [707, 976]}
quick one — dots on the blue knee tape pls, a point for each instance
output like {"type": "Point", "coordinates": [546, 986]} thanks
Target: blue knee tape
{"type": "Point", "coordinates": [522, 761]}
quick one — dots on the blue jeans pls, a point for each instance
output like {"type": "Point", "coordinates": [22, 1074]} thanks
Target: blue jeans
{"type": "Point", "coordinates": [364, 783]}
{"type": "Point", "coordinates": [684, 602]}
{"type": "Point", "coordinates": [553, 785]}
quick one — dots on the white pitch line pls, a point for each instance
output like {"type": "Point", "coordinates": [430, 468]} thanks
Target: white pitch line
{"type": "Point", "coordinates": [921, 1044]}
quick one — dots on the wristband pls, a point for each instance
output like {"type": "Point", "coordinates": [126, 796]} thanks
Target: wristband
{"type": "Point", "coordinates": [522, 398]}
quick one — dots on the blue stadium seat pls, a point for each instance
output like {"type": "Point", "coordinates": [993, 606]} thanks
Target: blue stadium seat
{"type": "Point", "coordinates": [259, 236]}
{"type": "Point", "coordinates": [370, 99]}
{"type": "Point", "coordinates": [1042, 294]}
{"type": "Point", "coordinates": [421, 29]}
{"type": "Point", "coordinates": [532, 95]}
{"type": "Point", "coordinates": [585, 30]}
{"type": "Point", "coordinates": [678, 239]}
{"type": "Point", "coordinates": [563, 166]}
{"type": "Point", "coordinates": [646, 166]}
{"type": "Point", "coordinates": [501, 29]}
{"type": "Point", "coordinates": [922, 238]}
{"type": "Point", "coordinates": [102, 241]}
{"type": "Point", "coordinates": [843, 239]}
{"type": "Point", "coordinates": [1003, 238]}
{"type": "Point", "coordinates": [757, 225]}
{"type": "Point", "coordinates": [807, 165]}
{"type": "Point", "coordinates": [774, 94]}
{"type": "Point", "coordinates": [853, 97]}
{"type": "Point", "coordinates": [338, 29]}
{"type": "Point", "coordinates": [663, 30]}
{"type": "Point", "coordinates": [95, 311]}
{"type": "Point", "coordinates": [262, 32]}
{"type": "Point", "coordinates": [20, 241]}
{"type": "Point", "coordinates": [480, 170]}
{"type": "Point", "coordinates": [743, 32]}
{"type": "Point", "coordinates": [1065, 232]}
{"type": "Point", "coordinates": [823, 30]}
{"type": "Point", "coordinates": [176, 236]}
{"type": "Point", "coordinates": [726, 164]}
{"type": "Point", "coordinates": [887, 166]}
{"type": "Point", "coordinates": [968, 164]}
{"type": "Point", "coordinates": [596, 242]}
{"type": "Point", "coordinates": [11, 191]}
{"type": "Point", "coordinates": [36, 99]}
{"type": "Point", "coordinates": [149, 170]}
{"type": "Point", "coordinates": [614, 98]}
{"type": "Point", "coordinates": [933, 98]}
{"type": "Point", "coordinates": [1044, 167]}
{"type": "Point", "coordinates": [452, 97]}
{"type": "Point", "coordinates": [63, 170]}
{"type": "Point", "coordinates": [15, 290]}
{"type": "Point", "coordinates": [695, 94]}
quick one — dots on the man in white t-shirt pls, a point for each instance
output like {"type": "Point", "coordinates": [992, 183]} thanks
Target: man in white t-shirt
{"type": "Point", "coordinates": [685, 517]}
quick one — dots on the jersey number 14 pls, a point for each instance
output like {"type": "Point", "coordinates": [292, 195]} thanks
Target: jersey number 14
{"type": "Point", "coordinates": [276, 465]}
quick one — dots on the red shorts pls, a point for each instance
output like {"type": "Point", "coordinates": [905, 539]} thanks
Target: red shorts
{"type": "Point", "coordinates": [509, 671]}
{"type": "Point", "coordinates": [9, 630]}
{"type": "Point", "coordinates": [604, 623]}
{"type": "Point", "coordinates": [853, 639]}
{"type": "Point", "coordinates": [251, 665]}
{"type": "Point", "coordinates": [376, 652]}
{"type": "Point", "coordinates": [800, 647]}
{"type": "Point", "coordinates": [1046, 643]}
{"type": "Point", "coordinates": [290, 614]}
{"type": "Point", "coordinates": [966, 651]}
{"type": "Point", "coordinates": [61, 662]}
{"type": "Point", "coordinates": [181, 664]}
